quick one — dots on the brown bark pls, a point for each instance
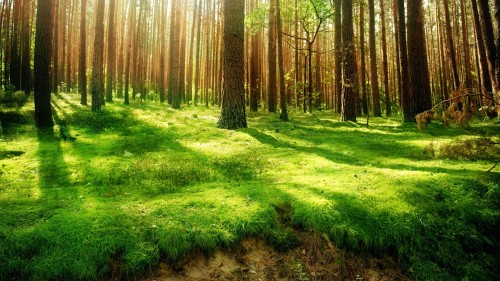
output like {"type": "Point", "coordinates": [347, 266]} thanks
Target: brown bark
{"type": "Point", "coordinates": [451, 47]}
{"type": "Point", "coordinates": [82, 66]}
{"type": "Point", "coordinates": [373, 62]}
{"type": "Point", "coordinates": [271, 58]}
{"type": "Point", "coordinates": [364, 97]}
{"type": "Point", "coordinates": [281, 71]}
{"type": "Point", "coordinates": [111, 65]}
{"type": "Point", "coordinates": [488, 39]}
{"type": "Point", "coordinates": [26, 49]}
{"type": "Point", "coordinates": [349, 82]}
{"type": "Point", "coordinates": [417, 58]}
{"type": "Point", "coordinates": [97, 82]}
{"type": "Point", "coordinates": [233, 100]}
{"type": "Point", "coordinates": [43, 110]}
{"type": "Point", "coordinates": [338, 53]}
{"type": "Point", "coordinates": [385, 66]}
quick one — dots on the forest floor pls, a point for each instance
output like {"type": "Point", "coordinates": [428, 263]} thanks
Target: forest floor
{"type": "Point", "coordinates": [144, 191]}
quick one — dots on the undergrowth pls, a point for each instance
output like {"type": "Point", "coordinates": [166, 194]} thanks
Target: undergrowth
{"type": "Point", "coordinates": [143, 183]}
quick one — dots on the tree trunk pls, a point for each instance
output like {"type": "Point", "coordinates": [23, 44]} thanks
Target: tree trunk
{"type": "Point", "coordinates": [338, 53]}
{"type": "Point", "coordinates": [254, 68]}
{"type": "Point", "coordinates": [15, 67]}
{"type": "Point", "coordinates": [486, 83]}
{"type": "Point", "coordinates": [406, 95]}
{"type": "Point", "coordinates": [174, 94]}
{"type": "Point", "coordinates": [385, 66]}
{"type": "Point", "coordinates": [43, 110]}
{"type": "Point", "coordinates": [466, 45]}
{"type": "Point", "coordinates": [417, 58]}
{"type": "Point", "coordinates": [283, 109]}
{"type": "Point", "coordinates": [451, 47]}
{"type": "Point", "coordinates": [364, 97]}
{"type": "Point", "coordinates": [488, 39]}
{"type": "Point", "coordinates": [128, 61]}
{"type": "Point", "coordinates": [82, 66]}
{"type": "Point", "coordinates": [349, 83]}
{"type": "Point", "coordinates": [497, 58]}
{"type": "Point", "coordinates": [233, 98]}
{"type": "Point", "coordinates": [97, 83]}
{"type": "Point", "coordinates": [271, 58]}
{"type": "Point", "coordinates": [110, 74]}
{"type": "Point", "coordinates": [373, 62]}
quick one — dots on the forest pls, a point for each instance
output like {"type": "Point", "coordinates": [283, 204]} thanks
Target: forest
{"type": "Point", "coordinates": [249, 140]}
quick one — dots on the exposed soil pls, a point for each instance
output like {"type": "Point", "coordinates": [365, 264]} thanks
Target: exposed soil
{"type": "Point", "coordinates": [252, 259]}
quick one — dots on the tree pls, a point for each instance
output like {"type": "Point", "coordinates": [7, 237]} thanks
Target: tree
{"type": "Point", "coordinates": [338, 53]}
{"type": "Point", "coordinates": [373, 62]}
{"type": "Point", "coordinates": [281, 71]}
{"type": "Point", "coordinates": [271, 58]}
{"type": "Point", "coordinates": [110, 74]}
{"type": "Point", "coordinates": [417, 58]}
{"type": "Point", "coordinates": [364, 97]}
{"type": "Point", "coordinates": [451, 46]}
{"type": "Point", "coordinates": [97, 83]}
{"type": "Point", "coordinates": [43, 110]}
{"type": "Point", "coordinates": [82, 66]}
{"type": "Point", "coordinates": [406, 95]}
{"type": "Point", "coordinates": [488, 39]}
{"type": "Point", "coordinates": [349, 81]}
{"type": "Point", "coordinates": [497, 58]}
{"type": "Point", "coordinates": [174, 95]}
{"type": "Point", "coordinates": [233, 114]}
{"type": "Point", "coordinates": [385, 67]}
{"type": "Point", "coordinates": [26, 49]}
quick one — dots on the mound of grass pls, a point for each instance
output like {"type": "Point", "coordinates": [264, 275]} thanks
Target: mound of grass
{"type": "Point", "coordinates": [144, 183]}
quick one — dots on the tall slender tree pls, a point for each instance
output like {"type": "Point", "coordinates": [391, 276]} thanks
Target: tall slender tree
{"type": "Point", "coordinates": [451, 46]}
{"type": "Point", "coordinates": [233, 114]}
{"type": "Point", "coordinates": [417, 58]}
{"type": "Point", "coordinates": [82, 65]}
{"type": "Point", "coordinates": [338, 53]}
{"type": "Point", "coordinates": [377, 112]}
{"type": "Point", "coordinates": [406, 95]}
{"type": "Point", "coordinates": [43, 40]}
{"type": "Point", "coordinates": [26, 49]}
{"type": "Point", "coordinates": [385, 63]}
{"type": "Point", "coordinates": [97, 83]}
{"type": "Point", "coordinates": [281, 71]}
{"type": "Point", "coordinates": [349, 81]}
{"type": "Point", "coordinates": [271, 58]}
{"type": "Point", "coordinates": [111, 65]}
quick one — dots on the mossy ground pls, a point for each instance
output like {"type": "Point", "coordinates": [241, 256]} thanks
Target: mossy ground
{"type": "Point", "coordinates": [144, 183]}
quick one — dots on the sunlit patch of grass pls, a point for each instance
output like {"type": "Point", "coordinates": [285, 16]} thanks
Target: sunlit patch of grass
{"type": "Point", "coordinates": [144, 182]}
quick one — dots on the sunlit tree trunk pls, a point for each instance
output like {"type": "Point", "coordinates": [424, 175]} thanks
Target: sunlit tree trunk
{"type": "Point", "coordinates": [281, 71]}
{"type": "Point", "coordinates": [338, 53]}
{"type": "Point", "coordinates": [385, 64]}
{"type": "Point", "coordinates": [97, 83]}
{"type": "Point", "coordinates": [110, 74]}
{"type": "Point", "coordinates": [233, 93]}
{"type": "Point", "coordinates": [364, 97]}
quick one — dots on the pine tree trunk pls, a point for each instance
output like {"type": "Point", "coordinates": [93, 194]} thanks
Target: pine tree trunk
{"type": "Point", "coordinates": [128, 60]}
{"type": "Point", "coordinates": [82, 66]}
{"type": "Point", "coordinates": [364, 97]}
{"type": "Point", "coordinates": [271, 58]}
{"type": "Point", "coordinates": [281, 71]}
{"type": "Point", "coordinates": [255, 69]}
{"type": "Point", "coordinates": [385, 66]}
{"type": "Point", "coordinates": [233, 98]}
{"type": "Point", "coordinates": [497, 58]}
{"type": "Point", "coordinates": [488, 39]}
{"type": "Point", "coordinates": [350, 81]}
{"type": "Point", "coordinates": [97, 83]}
{"type": "Point", "coordinates": [43, 110]}
{"type": "Point", "coordinates": [26, 52]}
{"type": "Point", "coordinates": [110, 74]}
{"type": "Point", "coordinates": [373, 62]}
{"type": "Point", "coordinates": [338, 53]}
{"type": "Point", "coordinates": [417, 58]}
{"type": "Point", "coordinates": [451, 47]}
{"type": "Point", "coordinates": [406, 95]}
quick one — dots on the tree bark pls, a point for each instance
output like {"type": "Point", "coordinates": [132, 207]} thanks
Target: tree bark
{"type": "Point", "coordinates": [364, 97]}
{"type": "Point", "coordinates": [97, 83]}
{"type": "Point", "coordinates": [271, 58]}
{"type": "Point", "coordinates": [373, 62]}
{"type": "Point", "coordinates": [417, 58]}
{"type": "Point", "coordinates": [110, 74]}
{"type": "Point", "coordinates": [233, 114]}
{"type": "Point", "coordinates": [406, 95]}
{"type": "Point", "coordinates": [349, 83]}
{"type": "Point", "coordinates": [82, 66]}
{"type": "Point", "coordinates": [281, 71]}
{"type": "Point", "coordinates": [43, 110]}
{"type": "Point", "coordinates": [385, 66]}
{"type": "Point", "coordinates": [338, 53]}
{"type": "Point", "coordinates": [488, 39]}
{"type": "Point", "coordinates": [451, 47]}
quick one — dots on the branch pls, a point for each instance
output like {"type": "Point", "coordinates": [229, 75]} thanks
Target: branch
{"type": "Point", "coordinates": [461, 96]}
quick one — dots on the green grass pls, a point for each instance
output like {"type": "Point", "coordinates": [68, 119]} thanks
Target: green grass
{"type": "Point", "coordinates": [144, 183]}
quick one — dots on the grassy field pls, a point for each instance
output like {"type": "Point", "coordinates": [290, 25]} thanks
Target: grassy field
{"type": "Point", "coordinates": [142, 184]}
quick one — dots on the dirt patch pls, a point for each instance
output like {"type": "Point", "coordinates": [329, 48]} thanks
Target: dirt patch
{"type": "Point", "coordinates": [252, 259]}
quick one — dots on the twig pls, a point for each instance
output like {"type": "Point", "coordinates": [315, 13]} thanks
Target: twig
{"type": "Point", "coordinates": [461, 96]}
{"type": "Point", "coordinates": [494, 166]}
